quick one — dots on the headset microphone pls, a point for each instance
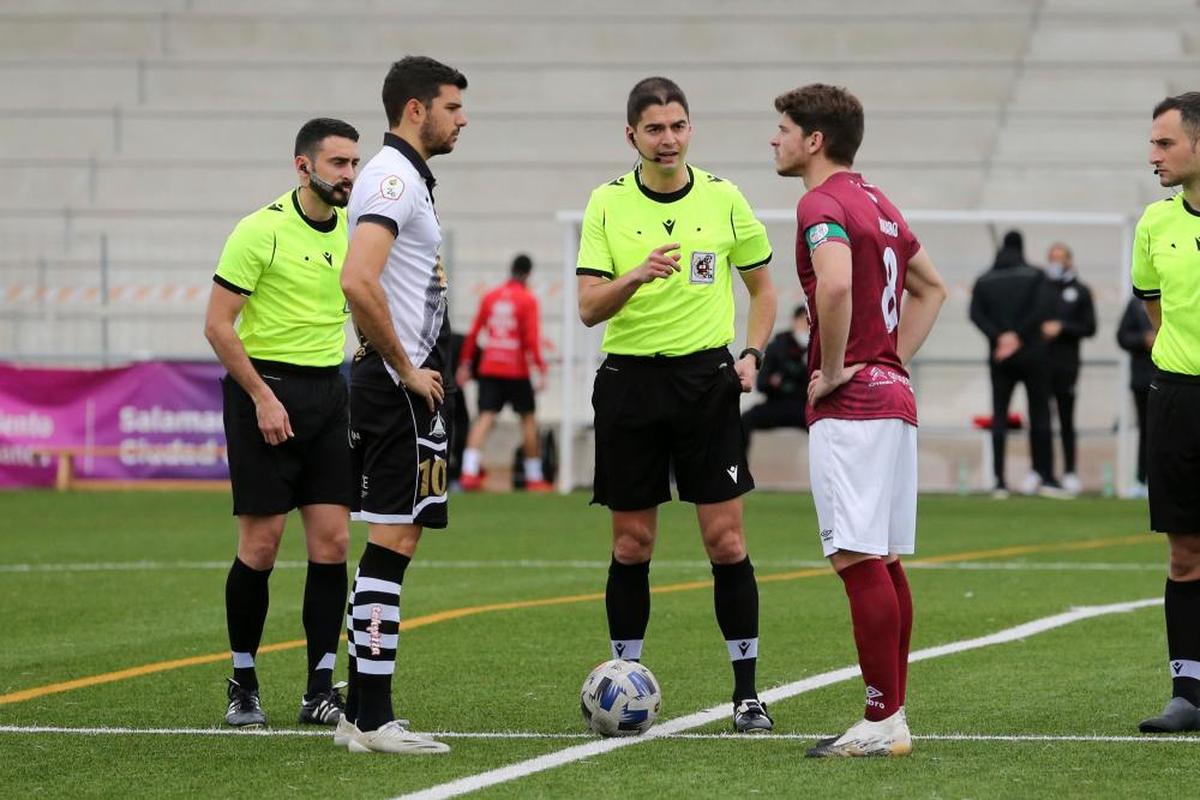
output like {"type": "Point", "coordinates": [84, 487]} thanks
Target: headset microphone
{"type": "Point", "coordinates": [655, 158]}
{"type": "Point", "coordinates": [324, 185]}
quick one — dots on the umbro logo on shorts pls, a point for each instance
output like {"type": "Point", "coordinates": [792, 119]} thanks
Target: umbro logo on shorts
{"type": "Point", "coordinates": [827, 535]}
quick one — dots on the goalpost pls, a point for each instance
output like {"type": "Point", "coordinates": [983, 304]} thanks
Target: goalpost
{"type": "Point", "coordinates": [580, 346]}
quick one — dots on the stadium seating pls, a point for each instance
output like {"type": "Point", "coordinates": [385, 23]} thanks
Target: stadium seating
{"type": "Point", "coordinates": [139, 131]}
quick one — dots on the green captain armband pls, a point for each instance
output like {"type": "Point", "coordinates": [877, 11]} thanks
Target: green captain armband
{"type": "Point", "coordinates": [822, 232]}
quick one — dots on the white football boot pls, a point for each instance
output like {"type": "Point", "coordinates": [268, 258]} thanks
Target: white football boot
{"type": "Point", "coordinates": [888, 737]}
{"type": "Point", "coordinates": [394, 737]}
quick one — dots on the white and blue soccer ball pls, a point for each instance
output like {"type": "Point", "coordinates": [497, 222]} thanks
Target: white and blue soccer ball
{"type": "Point", "coordinates": [620, 698]}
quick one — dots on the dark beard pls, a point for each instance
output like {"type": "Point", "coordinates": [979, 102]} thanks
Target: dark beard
{"type": "Point", "coordinates": [338, 196]}
{"type": "Point", "coordinates": [432, 146]}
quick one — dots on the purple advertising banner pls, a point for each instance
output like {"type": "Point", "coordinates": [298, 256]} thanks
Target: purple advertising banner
{"type": "Point", "coordinates": [151, 420]}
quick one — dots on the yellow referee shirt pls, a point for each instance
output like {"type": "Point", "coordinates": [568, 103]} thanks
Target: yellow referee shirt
{"type": "Point", "coordinates": [289, 268]}
{"type": "Point", "coordinates": [1166, 267]}
{"type": "Point", "coordinates": [692, 310]}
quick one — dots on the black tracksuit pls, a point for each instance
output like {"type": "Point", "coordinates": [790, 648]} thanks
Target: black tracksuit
{"type": "Point", "coordinates": [1013, 296]}
{"type": "Point", "coordinates": [784, 406]}
{"type": "Point", "coordinates": [1131, 336]}
{"type": "Point", "coordinates": [1073, 307]}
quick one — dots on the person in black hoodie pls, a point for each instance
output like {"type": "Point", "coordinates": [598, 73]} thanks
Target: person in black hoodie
{"type": "Point", "coordinates": [1136, 335]}
{"type": "Point", "coordinates": [1009, 303]}
{"type": "Point", "coordinates": [1073, 319]}
{"type": "Point", "coordinates": [783, 379]}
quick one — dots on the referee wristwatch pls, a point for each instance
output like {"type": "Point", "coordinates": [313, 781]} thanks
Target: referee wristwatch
{"type": "Point", "coordinates": [752, 351]}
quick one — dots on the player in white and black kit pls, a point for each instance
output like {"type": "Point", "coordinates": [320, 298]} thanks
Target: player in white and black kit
{"type": "Point", "coordinates": [402, 392]}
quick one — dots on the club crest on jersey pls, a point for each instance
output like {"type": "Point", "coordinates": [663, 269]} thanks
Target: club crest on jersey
{"type": "Point", "coordinates": [392, 187]}
{"type": "Point", "coordinates": [437, 429]}
{"type": "Point", "coordinates": [704, 267]}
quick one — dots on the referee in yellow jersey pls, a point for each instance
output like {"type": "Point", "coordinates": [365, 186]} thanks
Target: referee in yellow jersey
{"type": "Point", "coordinates": [1166, 276]}
{"type": "Point", "coordinates": [657, 255]}
{"type": "Point", "coordinates": [276, 319]}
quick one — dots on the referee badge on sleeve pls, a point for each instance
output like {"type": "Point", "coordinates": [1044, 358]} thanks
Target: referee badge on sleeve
{"type": "Point", "coordinates": [704, 266]}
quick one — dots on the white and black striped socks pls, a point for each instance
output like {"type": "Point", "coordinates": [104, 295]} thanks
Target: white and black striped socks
{"type": "Point", "coordinates": [374, 632]}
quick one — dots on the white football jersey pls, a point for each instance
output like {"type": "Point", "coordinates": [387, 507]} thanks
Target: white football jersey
{"type": "Point", "coordinates": [394, 190]}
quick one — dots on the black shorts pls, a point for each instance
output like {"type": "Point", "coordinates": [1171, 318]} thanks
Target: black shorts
{"type": "Point", "coordinates": [312, 467]}
{"type": "Point", "coordinates": [399, 449]}
{"type": "Point", "coordinates": [1173, 453]}
{"type": "Point", "coordinates": [658, 413]}
{"type": "Point", "coordinates": [495, 393]}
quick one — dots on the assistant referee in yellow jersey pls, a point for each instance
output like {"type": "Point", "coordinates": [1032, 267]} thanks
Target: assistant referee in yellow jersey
{"type": "Point", "coordinates": [276, 319]}
{"type": "Point", "coordinates": [657, 255]}
{"type": "Point", "coordinates": [1166, 276]}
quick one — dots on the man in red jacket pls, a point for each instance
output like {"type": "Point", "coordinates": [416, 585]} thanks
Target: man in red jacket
{"type": "Point", "coordinates": [510, 314]}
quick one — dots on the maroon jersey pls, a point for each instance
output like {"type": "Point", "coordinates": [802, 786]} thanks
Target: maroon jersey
{"type": "Point", "coordinates": [847, 209]}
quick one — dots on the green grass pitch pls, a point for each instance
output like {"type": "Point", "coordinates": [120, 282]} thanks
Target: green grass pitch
{"type": "Point", "coordinates": [92, 584]}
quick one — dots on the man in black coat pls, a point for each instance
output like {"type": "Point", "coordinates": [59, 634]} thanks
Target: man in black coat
{"type": "Point", "coordinates": [783, 379]}
{"type": "Point", "coordinates": [1073, 319]}
{"type": "Point", "coordinates": [1135, 335]}
{"type": "Point", "coordinates": [1009, 303]}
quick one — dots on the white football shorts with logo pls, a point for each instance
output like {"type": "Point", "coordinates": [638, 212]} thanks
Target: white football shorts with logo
{"type": "Point", "coordinates": [864, 484]}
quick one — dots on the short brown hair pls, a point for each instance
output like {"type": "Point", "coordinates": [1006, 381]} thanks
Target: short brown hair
{"type": "Point", "coordinates": [1188, 106]}
{"type": "Point", "coordinates": [831, 110]}
{"type": "Point", "coordinates": [652, 92]}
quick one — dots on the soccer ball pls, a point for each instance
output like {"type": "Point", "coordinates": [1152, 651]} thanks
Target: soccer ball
{"type": "Point", "coordinates": [620, 698]}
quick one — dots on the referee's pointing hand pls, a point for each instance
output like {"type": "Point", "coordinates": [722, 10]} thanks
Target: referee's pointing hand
{"type": "Point", "coordinates": [661, 263]}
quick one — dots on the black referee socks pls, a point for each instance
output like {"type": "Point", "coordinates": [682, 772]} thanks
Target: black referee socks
{"type": "Point", "coordinates": [1182, 604]}
{"type": "Point", "coordinates": [627, 601]}
{"type": "Point", "coordinates": [246, 599]}
{"type": "Point", "coordinates": [324, 593]}
{"type": "Point", "coordinates": [735, 598]}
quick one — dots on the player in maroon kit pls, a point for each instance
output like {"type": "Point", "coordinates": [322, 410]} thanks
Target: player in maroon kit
{"type": "Point", "coordinates": [509, 313]}
{"type": "Point", "coordinates": [856, 256]}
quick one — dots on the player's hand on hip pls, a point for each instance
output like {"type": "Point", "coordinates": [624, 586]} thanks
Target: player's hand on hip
{"type": "Point", "coordinates": [661, 263]}
{"type": "Point", "coordinates": [273, 420]}
{"type": "Point", "coordinates": [822, 384]}
{"type": "Point", "coordinates": [427, 383]}
{"type": "Point", "coordinates": [747, 370]}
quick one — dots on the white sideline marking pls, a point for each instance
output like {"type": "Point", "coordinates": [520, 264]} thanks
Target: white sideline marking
{"type": "Point", "coordinates": [730, 737]}
{"type": "Point", "coordinates": [717, 713]}
{"type": "Point", "coordinates": [1033, 566]}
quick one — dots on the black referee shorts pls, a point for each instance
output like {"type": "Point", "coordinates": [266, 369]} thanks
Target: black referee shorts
{"type": "Point", "coordinates": [313, 466]}
{"type": "Point", "coordinates": [1173, 453]}
{"type": "Point", "coordinates": [495, 393]}
{"type": "Point", "coordinates": [658, 413]}
{"type": "Point", "coordinates": [399, 449]}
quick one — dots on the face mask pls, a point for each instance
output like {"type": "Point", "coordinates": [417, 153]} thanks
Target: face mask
{"type": "Point", "coordinates": [1055, 271]}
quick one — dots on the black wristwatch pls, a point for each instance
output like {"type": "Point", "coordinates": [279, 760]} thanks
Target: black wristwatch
{"type": "Point", "coordinates": [752, 351]}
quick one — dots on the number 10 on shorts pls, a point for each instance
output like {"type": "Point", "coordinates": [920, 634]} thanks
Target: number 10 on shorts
{"type": "Point", "coordinates": [433, 476]}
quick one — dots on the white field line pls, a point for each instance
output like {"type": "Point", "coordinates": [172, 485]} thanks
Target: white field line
{"type": "Point", "coordinates": [1017, 566]}
{"type": "Point", "coordinates": [728, 737]}
{"type": "Point", "coordinates": [717, 713]}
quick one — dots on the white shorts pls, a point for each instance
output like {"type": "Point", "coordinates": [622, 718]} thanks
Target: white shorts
{"type": "Point", "coordinates": [864, 484]}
